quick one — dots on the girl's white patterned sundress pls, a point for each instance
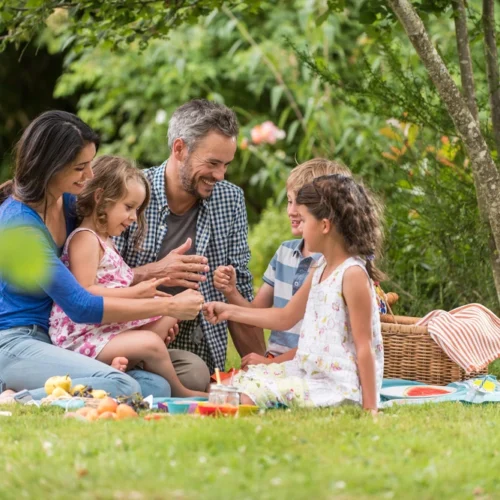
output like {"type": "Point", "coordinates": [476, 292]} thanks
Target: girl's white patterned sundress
{"type": "Point", "coordinates": [324, 370]}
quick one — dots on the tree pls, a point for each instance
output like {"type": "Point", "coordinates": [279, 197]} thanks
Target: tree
{"type": "Point", "coordinates": [486, 175]}
{"type": "Point", "coordinates": [481, 140]}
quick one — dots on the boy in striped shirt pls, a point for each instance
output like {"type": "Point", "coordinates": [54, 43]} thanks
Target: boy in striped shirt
{"type": "Point", "coordinates": [287, 270]}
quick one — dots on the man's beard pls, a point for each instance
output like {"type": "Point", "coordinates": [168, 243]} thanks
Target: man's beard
{"type": "Point", "coordinates": [187, 180]}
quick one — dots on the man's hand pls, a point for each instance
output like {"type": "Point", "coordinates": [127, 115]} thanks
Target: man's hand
{"type": "Point", "coordinates": [254, 359]}
{"type": "Point", "coordinates": [183, 270]}
{"type": "Point", "coordinates": [225, 279]}
{"type": "Point", "coordinates": [185, 305]}
{"type": "Point", "coordinates": [147, 289]}
{"type": "Point", "coordinates": [215, 312]}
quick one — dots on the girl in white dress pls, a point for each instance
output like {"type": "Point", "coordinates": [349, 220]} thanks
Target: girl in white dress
{"type": "Point", "coordinates": [340, 354]}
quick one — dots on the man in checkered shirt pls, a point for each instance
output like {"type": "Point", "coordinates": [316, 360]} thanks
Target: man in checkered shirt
{"type": "Point", "coordinates": [197, 221]}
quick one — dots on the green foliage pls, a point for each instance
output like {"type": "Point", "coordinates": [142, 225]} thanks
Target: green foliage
{"type": "Point", "coordinates": [110, 23]}
{"type": "Point", "coordinates": [235, 58]}
{"type": "Point", "coordinates": [436, 248]}
{"type": "Point", "coordinates": [331, 75]}
{"type": "Point", "coordinates": [265, 237]}
{"type": "Point", "coordinates": [22, 258]}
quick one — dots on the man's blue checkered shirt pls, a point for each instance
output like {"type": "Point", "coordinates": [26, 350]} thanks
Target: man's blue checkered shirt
{"type": "Point", "coordinates": [221, 236]}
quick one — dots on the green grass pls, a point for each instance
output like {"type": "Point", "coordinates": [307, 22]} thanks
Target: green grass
{"type": "Point", "coordinates": [434, 451]}
{"type": "Point", "coordinates": [426, 452]}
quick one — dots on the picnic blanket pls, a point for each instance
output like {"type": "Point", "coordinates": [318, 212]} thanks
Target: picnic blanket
{"type": "Point", "coordinates": [473, 391]}
{"type": "Point", "coordinates": [469, 335]}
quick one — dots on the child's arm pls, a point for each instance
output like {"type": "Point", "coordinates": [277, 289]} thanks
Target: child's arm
{"type": "Point", "coordinates": [256, 359]}
{"type": "Point", "coordinates": [84, 255]}
{"type": "Point", "coordinates": [225, 282]}
{"type": "Point", "coordinates": [357, 295]}
{"type": "Point", "coordinates": [274, 318]}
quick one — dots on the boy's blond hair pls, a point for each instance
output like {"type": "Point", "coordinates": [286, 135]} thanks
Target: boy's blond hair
{"type": "Point", "coordinates": [305, 172]}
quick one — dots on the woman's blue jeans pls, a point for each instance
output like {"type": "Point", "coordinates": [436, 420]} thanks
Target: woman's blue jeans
{"type": "Point", "coordinates": [28, 359]}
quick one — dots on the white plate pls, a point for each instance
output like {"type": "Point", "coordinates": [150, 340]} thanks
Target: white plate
{"type": "Point", "coordinates": [399, 391]}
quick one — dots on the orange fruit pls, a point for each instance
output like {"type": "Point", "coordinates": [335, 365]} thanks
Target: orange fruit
{"type": "Point", "coordinates": [125, 411]}
{"type": "Point", "coordinates": [107, 404]}
{"type": "Point", "coordinates": [92, 414]}
{"type": "Point", "coordinates": [107, 415]}
{"type": "Point", "coordinates": [83, 411]}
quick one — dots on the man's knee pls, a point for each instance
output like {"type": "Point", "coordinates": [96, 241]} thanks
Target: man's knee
{"type": "Point", "coordinates": [191, 370]}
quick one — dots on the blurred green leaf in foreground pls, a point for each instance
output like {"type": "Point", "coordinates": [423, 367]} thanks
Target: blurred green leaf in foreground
{"type": "Point", "coordinates": [22, 258]}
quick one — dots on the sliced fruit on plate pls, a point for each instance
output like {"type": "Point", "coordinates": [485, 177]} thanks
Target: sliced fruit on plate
{"type": "Point", "coordinates": [426, 391]}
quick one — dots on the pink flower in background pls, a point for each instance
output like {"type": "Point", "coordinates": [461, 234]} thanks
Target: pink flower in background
{"type": "Point", "coordinates": [244, 143]}
{"type": "Point", "coordinates": [267, 132]}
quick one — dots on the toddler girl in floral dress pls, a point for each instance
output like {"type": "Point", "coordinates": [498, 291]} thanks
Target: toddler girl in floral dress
{"type": "Point", "coordinates": [116, 197]}
{"type": "Point", "coordinates": [340, 354]}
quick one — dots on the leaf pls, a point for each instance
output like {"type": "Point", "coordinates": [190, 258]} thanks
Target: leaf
{"type": "Point", "coordinates": [292, 130]}
{"type": "Point", "coordinates": [276, 94]}
{"type": "Point", "coordinates": [22, 258]}
{"type": "Point", "coordinates": [367, 17]}
{"type": "Point", "coordinates": [322, 18]}
{"type": "Point", "coordinates": [390, 133]}
{"type": "Point", "coordinates": [412, 134]}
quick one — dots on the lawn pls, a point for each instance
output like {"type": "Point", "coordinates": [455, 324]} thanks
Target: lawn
{"type": "Point", "coordinates": [440, 451]}
{"type": "Point", "coordinates": [427, 452]}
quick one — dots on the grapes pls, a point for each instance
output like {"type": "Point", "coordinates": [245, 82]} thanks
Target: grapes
{"type": "Point", "coordinates": [135, 401]}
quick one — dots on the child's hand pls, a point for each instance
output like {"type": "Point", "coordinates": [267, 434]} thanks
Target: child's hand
{"type": "Point", "coordinates": [215, 312]}
{"type": "Point", "coordinates": [172, 333]}
{"type": "Point", "coordinates": [254, 359]}
{"type": "Point", "coordinates": [225, 279]}
{"type": "Point", "coordinates": [147, 289]}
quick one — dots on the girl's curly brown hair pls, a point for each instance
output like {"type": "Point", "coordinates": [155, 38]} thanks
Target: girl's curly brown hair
{"type": "Point", "coordinates": [354, 212]}
{"type": "Point", "coordinates": [111, 175]}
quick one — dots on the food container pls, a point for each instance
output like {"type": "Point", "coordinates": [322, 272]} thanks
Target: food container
{"type": "Point", "coordinates": [215, 410]}
{"type": "Point", "coordinates": [245, 410]}
{"type": "Point", "coordinates": [224, 395]}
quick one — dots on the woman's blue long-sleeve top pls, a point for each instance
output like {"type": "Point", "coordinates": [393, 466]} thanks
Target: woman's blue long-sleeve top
{"type": "Point", "coordinates": [23, 308]}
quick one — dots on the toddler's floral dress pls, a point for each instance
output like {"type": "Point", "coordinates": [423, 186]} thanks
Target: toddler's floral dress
{"type": "Point", "coordinates": [324, 371]}
{"type": "Point", "coordinates": [90, 339]}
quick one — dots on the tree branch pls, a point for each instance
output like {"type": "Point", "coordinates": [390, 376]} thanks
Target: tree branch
{"type": "Point", "coordinates": [491, 56]}
{"type": "Point", "coordinates": [464, 57]}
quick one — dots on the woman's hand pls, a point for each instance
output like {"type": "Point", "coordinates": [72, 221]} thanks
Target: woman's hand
{"type": "Point", "coordinates": [215, 312]}
{"type": "Point", "coordinates": [225, 279]}
{"type": "Point", "coordinates": [185, 305]}
{"type": "Point", "coordinates": [147, 289]}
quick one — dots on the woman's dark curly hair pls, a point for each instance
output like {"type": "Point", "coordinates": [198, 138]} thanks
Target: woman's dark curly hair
{"type": "Point", "coordinates": [354, 212]}
{"type": "Point", "coordinates": [111, 175]}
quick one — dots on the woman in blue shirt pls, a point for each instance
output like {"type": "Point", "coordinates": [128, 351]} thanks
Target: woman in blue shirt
{"type": "Point", "coordinates": [53, 161]}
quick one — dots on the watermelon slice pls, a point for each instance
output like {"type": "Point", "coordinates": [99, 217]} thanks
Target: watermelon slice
{"type": "Point", "coordinates": [426, 391]}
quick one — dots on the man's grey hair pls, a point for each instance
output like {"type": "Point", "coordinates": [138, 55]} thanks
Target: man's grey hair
{"type": "Point", "coordinates": [195, 119]}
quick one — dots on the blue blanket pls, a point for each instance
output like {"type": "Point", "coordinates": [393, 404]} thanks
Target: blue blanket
{"type": "Point", "coordinates": [475, 391]}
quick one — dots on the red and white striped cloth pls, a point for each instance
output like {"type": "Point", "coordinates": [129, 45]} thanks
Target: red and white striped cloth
{"type": "Point", "coordinates": [469, 335]}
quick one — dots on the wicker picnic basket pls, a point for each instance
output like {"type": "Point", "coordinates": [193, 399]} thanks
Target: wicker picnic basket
{"type": "Point", "coordinates": [410, 353]}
